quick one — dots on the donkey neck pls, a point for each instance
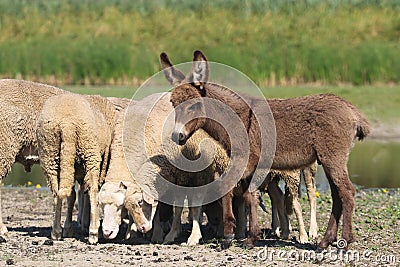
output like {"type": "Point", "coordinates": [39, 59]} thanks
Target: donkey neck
{"type": "Point", "coordinates": [236, 103]}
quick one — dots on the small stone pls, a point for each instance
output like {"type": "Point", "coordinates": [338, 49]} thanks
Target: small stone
{"type": "Point", "coordinates": [48, 242]}
{"type": "Point", "coordinates": [10, 262]}
{"type": "Point", "coordinates": [230, 258]}
{"type": "Point", "coordinates": [137, 253]}
{"type": "Point", "coordinates": [155, 253]}
{"type": "Point", "coordinates": [35, 243]}
{"type": "Point", "coordinates": [188, 258]}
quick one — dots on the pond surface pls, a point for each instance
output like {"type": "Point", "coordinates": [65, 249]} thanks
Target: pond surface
{"type": "Point", "coordinates": [371, 164]}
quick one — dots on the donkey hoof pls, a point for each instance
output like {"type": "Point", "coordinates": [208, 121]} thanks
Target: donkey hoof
{"type": "Point", "coordinates": [249, 243]}
{"type": "Point", "coordinates": [226, 243]}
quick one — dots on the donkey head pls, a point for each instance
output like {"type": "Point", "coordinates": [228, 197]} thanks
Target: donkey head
{"type": "Point", "coordinates": [187, 96]}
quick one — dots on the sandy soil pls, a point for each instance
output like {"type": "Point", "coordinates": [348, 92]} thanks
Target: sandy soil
{"type": "Point", "coordinates": [28, 215]}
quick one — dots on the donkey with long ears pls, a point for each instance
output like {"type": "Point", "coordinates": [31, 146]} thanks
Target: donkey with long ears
{"type": "Point", "coordinates": [319, 128]}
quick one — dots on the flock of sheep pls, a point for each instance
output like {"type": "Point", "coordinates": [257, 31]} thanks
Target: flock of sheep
{"type": "Point", "coordinates": [96, 142]}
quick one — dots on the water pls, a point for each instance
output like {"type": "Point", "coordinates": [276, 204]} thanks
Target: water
{"type": "Point", "coordinates": [371, 164]}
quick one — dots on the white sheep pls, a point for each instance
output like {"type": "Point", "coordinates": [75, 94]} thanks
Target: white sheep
{"type": "Point", "coordinates": [75, 130]}
{"type": "Point", "coordinates": [119, 183]}
{"type": "Point", "coordinates": [21, 102]}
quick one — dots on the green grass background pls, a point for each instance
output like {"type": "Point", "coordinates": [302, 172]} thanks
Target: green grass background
{"type": "Point", "coordinates": [275, 42]}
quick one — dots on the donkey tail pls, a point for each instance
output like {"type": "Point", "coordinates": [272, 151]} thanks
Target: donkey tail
{"type": "Point", "coordinates": [363, 127]}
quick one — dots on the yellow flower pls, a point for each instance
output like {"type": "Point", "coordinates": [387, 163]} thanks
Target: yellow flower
{"type": "Point", "coordinates": [38, 186]}
{"type": "Point", "coordinates": [317, 194]}
{"type": "Point", "coordinates": [29, 183]}
{"type": "Point", "coordinates": [384, 190]}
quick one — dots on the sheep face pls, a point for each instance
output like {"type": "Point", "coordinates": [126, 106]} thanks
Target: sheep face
{"type": "Point", "coordinates": [140, 208]}
{"type": "Point", "coordinates": [111, 200]}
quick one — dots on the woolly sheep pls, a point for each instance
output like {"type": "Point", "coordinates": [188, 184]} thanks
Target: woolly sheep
{"type": "Point", "coordinates": [74, 129]}
{"type": "Point", "coordinates": [291, 200]}
{"type": "Point", "coordinates": [21, 103]}
{"type": "Point", "coordinates": [118, 183]}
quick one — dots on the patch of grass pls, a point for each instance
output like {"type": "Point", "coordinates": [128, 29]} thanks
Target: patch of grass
{"type": "Point", "coordinates": [273, 42]}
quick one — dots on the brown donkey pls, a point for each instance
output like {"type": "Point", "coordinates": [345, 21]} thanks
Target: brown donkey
{"type": "Point", "coordinates": [312, 128]}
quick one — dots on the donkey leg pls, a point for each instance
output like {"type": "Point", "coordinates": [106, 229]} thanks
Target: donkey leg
{"type": "Point", "coordinates": [228, 219]}
{"type": "Point", "coordinates": [309, 174]}
{"type": "Point", "coordinates": [251, 201]}
{"type": "Point", "coordinates": [332, 228]}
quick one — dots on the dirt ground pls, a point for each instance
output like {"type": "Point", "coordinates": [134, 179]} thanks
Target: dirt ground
{"type": "Point", "coordinates": [28, 215]}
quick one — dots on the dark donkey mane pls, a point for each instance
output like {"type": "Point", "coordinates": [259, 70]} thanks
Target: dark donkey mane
{"type": "Point", "coordinates": [317, 127]}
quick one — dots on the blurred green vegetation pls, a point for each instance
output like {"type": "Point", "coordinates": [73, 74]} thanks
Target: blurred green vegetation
{"type": "Point", "coordinates": [275, 42]}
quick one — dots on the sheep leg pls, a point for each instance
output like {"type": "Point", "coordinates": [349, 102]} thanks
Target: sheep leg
{"type": "Point", "coordinates": [68, 230]}
{"type": "Point", "coordinates": [3, 228]}
{"type": "Point", "coordinates": [195, 236]}
{"type": "Point", "coordinates": [309, 174]}
{"type": "Point", "coordinates": [303, 237]}
{"type": "Point", "coordinates": [278, 199]}
{"type": "Point", "coordinates": [176, 225]}
{"type": "Point", "coordinates": [131, 232]}
{"type": "Point", "coordinates": [57, 230]}
{"type": "Point", "coordinates": [94, 211]}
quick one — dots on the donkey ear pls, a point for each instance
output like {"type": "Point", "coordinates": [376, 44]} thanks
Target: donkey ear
{"type": "Point", "coordinates": [173, 75]}
{"type": "Point", "coordinates": [200, 70]}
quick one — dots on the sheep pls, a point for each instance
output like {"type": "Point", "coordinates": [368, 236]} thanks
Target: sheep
{"type": "Point", "coordinates": [292, 183]}
{"type": "Point", "coordinates": [120, 190]}
{"type": "Point", "coordinates": [75, 130]}
{"type": "Point", "coordinates": [21, 103]}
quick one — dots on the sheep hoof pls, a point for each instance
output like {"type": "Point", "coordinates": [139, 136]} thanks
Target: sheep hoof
{"type": "Point", "coordinates": [93, 238]}
{"type": "Point", "coordinates": [193, 240]}
{"type": "Point", "coordinates": [313, 233]}
{"type": "Point", "coordinates": [303, 239]}
{"type": "Point", "coordinates": [56, 234]}
{"type": "Point", "coordinates": [3, 230]}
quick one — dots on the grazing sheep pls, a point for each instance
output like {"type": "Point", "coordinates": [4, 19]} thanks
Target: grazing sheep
{"type": "Point", "coordinates": [75, 130]}
{"type": "Point", "coordinates": [131, 196]}
{"type": "Point", "coordinates": [121, 191]}
{"type": "Point", "coordinates": [319, 128]}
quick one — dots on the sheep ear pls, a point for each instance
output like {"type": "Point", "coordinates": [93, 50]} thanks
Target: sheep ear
{"type": "Point", "coordinates": [148, 199]}
{"type": "Point", "coordinates": [123, 185]}
{"type": "Point", "coordinates": [200, 70]}
{"type": "Point", "coordinates": [172, 74]}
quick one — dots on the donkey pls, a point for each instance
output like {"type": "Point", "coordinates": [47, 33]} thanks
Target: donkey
{"type": "Point", "coordinates": [313, 128]}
